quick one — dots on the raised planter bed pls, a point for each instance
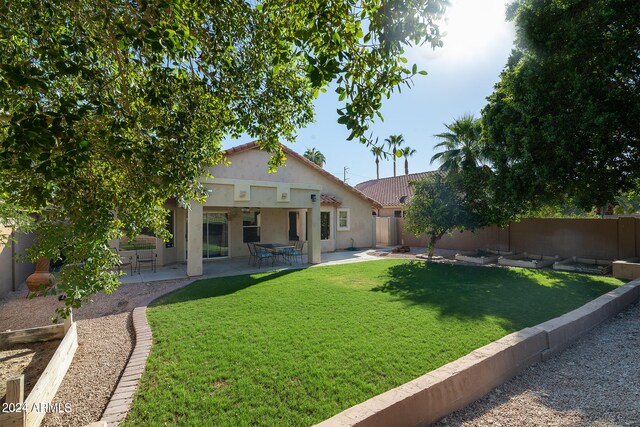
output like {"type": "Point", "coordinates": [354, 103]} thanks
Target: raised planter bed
{"type": "Point", "coordinates": [527, 260]}
{"type": "Point", "coordinates": [29, 411]}
{"type": "Point", "coordinates": [627, 268]}
{"type": "Point", "coordinates": [584, 265]}
{"type": "Point", "coordinates": [481, 257]}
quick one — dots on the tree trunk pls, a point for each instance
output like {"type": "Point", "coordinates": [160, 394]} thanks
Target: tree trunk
{"type": "Point", "coordinates": [377, 168]}
{"type": "Point", "coordinates": [406, 166]}
{"type": "Point", "coordinates": [432, 243]}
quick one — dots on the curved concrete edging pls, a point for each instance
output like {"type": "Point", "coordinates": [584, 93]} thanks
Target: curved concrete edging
{"type": "Point", "coordinates": [459, 383]}
{"type": "Point", "coordinates": [122, 397]}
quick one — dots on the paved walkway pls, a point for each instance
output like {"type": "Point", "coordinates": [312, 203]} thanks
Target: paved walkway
{"type": "Point", "coordinates": [235, 266]}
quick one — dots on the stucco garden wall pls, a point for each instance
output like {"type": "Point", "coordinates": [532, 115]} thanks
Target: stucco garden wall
{"type": "Point", "coordinates": [11, 272]}
{"type": "Point", "coordinates": [599, 238]}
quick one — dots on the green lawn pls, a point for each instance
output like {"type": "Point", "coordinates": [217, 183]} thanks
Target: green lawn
{"type": "Point", "coordinates": [296, 347]}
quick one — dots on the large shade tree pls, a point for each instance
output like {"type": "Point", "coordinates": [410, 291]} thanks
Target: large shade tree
{"type": "Point", "coordinates": [562, 123]}
{"type": "Point", "coordinates": [108, 109]}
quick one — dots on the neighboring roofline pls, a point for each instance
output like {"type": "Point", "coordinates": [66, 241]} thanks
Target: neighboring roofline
{"type": "Point", "coordinates": [366, 185]}
{"type": "Point", "coordinates": [371, 181]}
{"type": "Point", "coordinates": [288, 151]}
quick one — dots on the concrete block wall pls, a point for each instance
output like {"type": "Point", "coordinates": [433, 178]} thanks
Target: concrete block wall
{"type": "Point", "coordinates": [608, 238]}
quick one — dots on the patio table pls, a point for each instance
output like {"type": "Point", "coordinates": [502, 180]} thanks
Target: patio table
{"type": "Point", "coordinates": [278, 249]}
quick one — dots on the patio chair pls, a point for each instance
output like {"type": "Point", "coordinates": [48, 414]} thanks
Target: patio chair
{"type": "Point", "coordinates": [259, 254]}
{"type": "Point", "coordinates": [296, 251]}
{"type": "Point", "coordinates": [252, 253]}
{"type": "Point", "coordinates": [124, 260]}
{"type": "Point", "coordinates": [148, 256]}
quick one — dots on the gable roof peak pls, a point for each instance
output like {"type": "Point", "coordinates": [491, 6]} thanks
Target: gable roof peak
{"type": "Point", "coordinates": [291, 153]}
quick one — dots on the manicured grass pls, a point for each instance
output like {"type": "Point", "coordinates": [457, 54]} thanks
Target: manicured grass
{"type": "Point", "coordinates": [296, 347]}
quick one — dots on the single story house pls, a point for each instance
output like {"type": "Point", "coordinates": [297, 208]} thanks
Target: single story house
{"type": "Point", "coordinates": [246, 203]}
{"type": "Point", "coordinates": [391, 193]}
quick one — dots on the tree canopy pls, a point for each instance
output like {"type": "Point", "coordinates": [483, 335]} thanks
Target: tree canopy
{"type": "Point", "coordinates": [461, 144]}
{"type": "Point", "coordinates": [394, 142]}
{"type": "Point", "coordinates": [563, 120]}
{"type": "Point", "coordinates": [455, 201]}
{"type": "Point", "coordinates": [108, 109]}
{"type": "Point", "coordinates": [437, 208]}
{"type": "Point", "coordinates": [315, 156]}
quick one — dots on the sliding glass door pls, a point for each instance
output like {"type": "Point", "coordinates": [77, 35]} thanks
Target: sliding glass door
{"type": "Point", "coordinates": [215, 235]}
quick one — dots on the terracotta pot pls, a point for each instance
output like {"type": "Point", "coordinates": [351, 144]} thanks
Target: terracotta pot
{"type": "Point", "coordinates": [41, 275]}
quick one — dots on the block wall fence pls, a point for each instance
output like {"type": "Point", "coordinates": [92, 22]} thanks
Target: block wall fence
{"type": "Point", "coordinates": [599, 238]}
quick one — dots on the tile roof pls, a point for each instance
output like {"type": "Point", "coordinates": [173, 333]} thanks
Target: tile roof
{"type": "Point", "coordinates": [388, 191]}
{"type": "Point", "coordinates": [329, 199]}
{"type": "Point", "coordinates": [289, 152]}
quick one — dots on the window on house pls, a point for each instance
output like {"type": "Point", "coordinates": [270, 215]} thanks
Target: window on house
{"type": "Point", "coordinates": [145, 240]}
{"type": "Point", "coordinates": [343, 220]}
{"type": "Point", "coordinates": [397, 214]}
{"type": "Point", "coordinates": [251, 227]}
{"type": "Point", "coordinates": [325, 225]}
{"type": "Point", "coordinates": [170, 228]}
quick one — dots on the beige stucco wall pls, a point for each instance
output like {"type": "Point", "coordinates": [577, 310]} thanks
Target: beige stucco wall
{"type": "Point", "coordinates": [10, 274]}
{"type": "Point", "coordinates": [388, 212]}
{"type": "Point", "coordinates": [252, 166]}
{"type": "Point", "coordinates": [166, 255]}
{"type": "Point", "coordinates": [588, 238]}
{"type": "Point", "coordinates": [608, 238]}
{"type": "Point", "coordinates": [484, 238]}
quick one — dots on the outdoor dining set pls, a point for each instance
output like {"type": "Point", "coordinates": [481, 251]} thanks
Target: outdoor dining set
{"type": "Point", "coordinates": [275, 252]}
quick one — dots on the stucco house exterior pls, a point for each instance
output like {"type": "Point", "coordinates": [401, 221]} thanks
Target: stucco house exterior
{"type": "Point", "coordinates": [246, 203]}
{"type": "Point", "coordinates": [391, 193]}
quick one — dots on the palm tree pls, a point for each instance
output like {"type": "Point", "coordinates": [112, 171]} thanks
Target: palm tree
{"type": "Point", "coordinates": [394, 142]}
{"type": "Point", "coordinates": [315, 156]}
{"type": "Point", "coordinates": [406, 153]}
{"type": "Point", "coordinates": [461, 144]}
{"type": "Point", "coordinates": [378, 152]}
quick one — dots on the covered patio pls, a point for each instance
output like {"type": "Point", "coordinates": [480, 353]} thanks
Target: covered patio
{"type": "Point", "coordinates": [241, 265]}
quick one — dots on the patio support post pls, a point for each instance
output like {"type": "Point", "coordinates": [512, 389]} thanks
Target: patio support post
{"type": "Point", "coordinates": [180, 234]}
{"type": "Point", "coordinates": [313, 253]}
{"type": "Point", "coordinates": [194, 244]}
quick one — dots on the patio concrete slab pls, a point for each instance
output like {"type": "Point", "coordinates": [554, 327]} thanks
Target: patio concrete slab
{"type": "Point", "coordinates": [240, 265]}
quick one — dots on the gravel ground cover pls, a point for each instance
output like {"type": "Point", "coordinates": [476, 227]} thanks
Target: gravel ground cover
{"type": "Point", "coordinates": [105, 340]}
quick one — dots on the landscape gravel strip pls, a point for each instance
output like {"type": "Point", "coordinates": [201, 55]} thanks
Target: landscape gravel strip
{"type": "Point", "coordinates": [105, 341]}
{"type": "Point", "coordinates": [595, 382]}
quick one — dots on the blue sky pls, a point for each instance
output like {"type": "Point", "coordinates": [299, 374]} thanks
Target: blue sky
{"type": "Point", "coordinates": [461, 75]}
